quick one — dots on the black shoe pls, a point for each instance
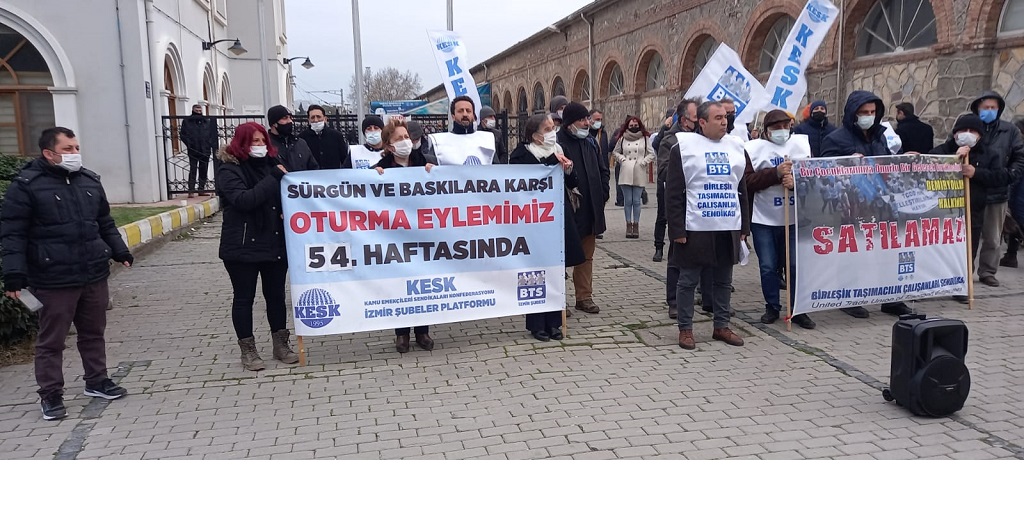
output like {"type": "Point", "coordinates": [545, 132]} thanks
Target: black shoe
{"type": "Point", "coordinates": [709, 309]}
{"type": "Point", "coordinates": [896, 309]}
{"type": "Point", "coordinates": [673, 312]}
{"type": "Point", "coordinates": [659, 254]}
{"type": "Point", "coordinates": [804, 321]}
{"type": "Point", "coordinates": [53, 407]}
{"type": "Point", "coordinates": [600, 237]}
{"type": "Point", "coordinates": [541, 335]}
{"type": "Point", "coordinates": [961, 299]}
{"type": "Point", "coordinates": [555, 333]}
{"type": "Point", "coordinates": [106, 390]}
{"type": "Point", "coordinates": [857, 312]}
{"type": "Point", "coordinates": [770, 316]}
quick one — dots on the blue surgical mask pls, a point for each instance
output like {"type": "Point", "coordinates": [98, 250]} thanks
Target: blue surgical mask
{"type": "Point", "coordinates": [582, 133]}
{"type": "Point", "coordinates": [373, 137]}
{"type": "Point", "coordinates": [865, 122]}
{"type": "Point", "coordinates": [988, 115]}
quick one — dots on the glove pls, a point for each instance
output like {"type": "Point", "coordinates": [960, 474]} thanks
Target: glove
{"type": "Point", "coordinates": [15, 283]}
{"type": "Point", "coordinates": [121, 258]}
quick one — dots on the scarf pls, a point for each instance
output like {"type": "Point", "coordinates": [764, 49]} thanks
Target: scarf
{"type": "Point", "coordinates": [541, 152]}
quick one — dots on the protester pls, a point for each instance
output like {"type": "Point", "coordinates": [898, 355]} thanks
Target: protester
{"type": "Point", "coordinates": [666, 124]}
{"type": "Point", "coordinates": [463, 145]}
{"type": "Point", "coordinates": [686, 112]}
{"type": "Point", "coordinates": [765, 180]}
{"type": "Point", "coordinates": [199, 134]}
{"type": "Point", "coordinates": [633, 153]}
{"type": "Point", "coordinates": [981, 166]}
{"type": "Point", "coordinates": [917, 136]}
{"type": "Point", "coordinates": [292, 152]}
{"type": "Point", "coordinates": [556, 106]}
{"type": "Point", "coordinates": [600, 135]}
{"type": "Point", "coordinates": [574, 138]}
{"type": "Point", "coordinates": [740, 131]}
{"type": "Point", "coordinates": [57, 237]}
{"type": "Point", "coordinates": [542, 148]}
{"type": "Point", "coordinates": [706, 242]}
{"type": "Point", "coordinates": [419, 141]}
{"type": "Point", "coordinates": [252, 239]}
{"type": "Point", "coordinates": [489, 123]}
{"type": "Point", "coordinates": [328, 145]}
{"type": "Point", "coordinates": [861, 135]}
{"type": "Point", "coordinates": [1014, 238]}
{"type": "Point", "coordinates": [368, 154]}
{"type": "Point", "coordinates": [817, 127]}
{"type": "Point", "coordinates": [1004, 139]}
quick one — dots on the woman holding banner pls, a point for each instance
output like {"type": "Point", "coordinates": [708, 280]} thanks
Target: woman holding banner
{"type": "Point", "coordinates": [252, 238]}
{"type": "Point", "coordinates": [542, 149]}
{"type": "Point", "coordinates": [399, 153]}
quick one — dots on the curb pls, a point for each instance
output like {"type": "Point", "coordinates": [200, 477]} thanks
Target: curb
{"type": "Point", "coordinates": [143, 231]}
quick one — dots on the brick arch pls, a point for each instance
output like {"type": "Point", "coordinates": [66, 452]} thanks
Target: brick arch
{"type": "Point", "coordinates": [507, 100]}
{"type": "Point", "coordinates": [521, 92]}
{"type": "Point", "coordinates": [985, 15]}
{"type": "Point", "coordinates": [576, 90]}
{"type": "Point", "coordinates": [759, 23]}
{"type": "Point", "coordinates": [532, 94]}
{"type": "Point", "coordinates": [857, 10]}
{"type": "Point", "coordinates": [609, 64]}
{"type": "Point", "coordinates": [699, 31]}
{"type": "Point", "coordinates": [554, 81]}
{"type": "Point", "coordinates": [640, 77]}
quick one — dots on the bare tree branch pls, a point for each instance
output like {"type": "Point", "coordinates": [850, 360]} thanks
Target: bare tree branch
{"type": "Point", "coordinates": [387, 84]}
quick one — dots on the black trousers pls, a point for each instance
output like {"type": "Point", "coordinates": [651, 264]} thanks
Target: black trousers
{"type": "Point", "coordinates": [618, 188]}
{"type": "Point", "coordinates": [198, 165]}
{"type": "Point", "coordinates": [543, 321]}
{"type": "Point", "coordinates": [661, 223]}
{"type": "Point", "coordinates": [243, 284]}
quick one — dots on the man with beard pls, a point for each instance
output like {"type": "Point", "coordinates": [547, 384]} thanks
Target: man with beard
{"type": "Point", "coordinates": [464, 145]}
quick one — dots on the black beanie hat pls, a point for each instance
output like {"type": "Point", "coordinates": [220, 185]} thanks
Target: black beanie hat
{"type": "Point", "coordinates": [276, 113]}
{"type": "Point", "coordinates": [574, 112]}
{"type": "Point", "coordinates": [373, 120]}
{"type": "Point", "coordinates": [969, 121]}
{"type": "Point", "coordinates": [462, 98]}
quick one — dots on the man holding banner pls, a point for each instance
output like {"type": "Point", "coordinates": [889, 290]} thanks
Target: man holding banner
{"type": "Point", "coordinates": [708, 217]}
{"type": "Point", "coordinates": [464, 146]}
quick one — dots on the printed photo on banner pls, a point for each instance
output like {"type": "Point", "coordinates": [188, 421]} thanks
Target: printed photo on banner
{"type": "Point", "coordinates": [879, 230]}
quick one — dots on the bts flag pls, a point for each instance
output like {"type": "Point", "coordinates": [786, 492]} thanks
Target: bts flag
{"type": "Point", "coordinates": [450, 53]}
{"type": "Point", "coordinates": [788, 83]}
{"type": "Point", "coordinates": [724, 76]}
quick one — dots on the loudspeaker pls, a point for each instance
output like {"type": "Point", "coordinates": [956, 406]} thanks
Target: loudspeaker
{"type": "Point", "coordinates": [928, 374]}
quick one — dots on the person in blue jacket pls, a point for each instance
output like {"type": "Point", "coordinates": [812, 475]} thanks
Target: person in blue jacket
{"type": "Point", "coordinates": [816, 127]}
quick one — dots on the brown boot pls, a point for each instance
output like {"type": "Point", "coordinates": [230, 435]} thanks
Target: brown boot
{"type": "Point", "coordinates": [250, 358]}
{"type": "Point", "coordinates": [402, 343]}
{"type": "Point", "coordinates": [588, 306]}
{"type": "Point", "coordinates": [283, 352]}
{"type": "Point", "coordinates": [686, 339]}
{"type": "Point", "coordinates": [629, 229]}
{"type": "Point", "coordinates": [636, 230]}
{"type": "Point", "coordinates": [424, 341]}
{"type": "Point", "coordinates": [727, 336]}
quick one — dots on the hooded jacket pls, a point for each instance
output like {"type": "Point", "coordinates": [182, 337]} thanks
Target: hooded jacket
{"type": "Point", "coordinates": [1004, 140]}
{"type": "Point", "coordinates": [56, 230]}
{"type": "Point", "coordinates": [814, 131]}
{"type": "Point", "coordinates": [850, 139]}
{"type": "Point", "coordinates": [252, 230]}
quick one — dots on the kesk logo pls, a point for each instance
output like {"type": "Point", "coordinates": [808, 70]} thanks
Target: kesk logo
{"type": "Point", "coordinates": [447, 43]}
{"type": "Point", "coordinates": [472, 160]}
{"type": "Point", "coordinates": [817, 11]}
{"type": "Point", "coordinates": [316, 308]}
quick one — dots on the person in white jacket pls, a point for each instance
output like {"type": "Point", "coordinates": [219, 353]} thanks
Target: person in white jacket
{"type": "Point", "coordinates": [634, 153]}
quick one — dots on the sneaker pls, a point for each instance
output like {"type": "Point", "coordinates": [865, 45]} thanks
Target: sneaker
{"type": "Point", "coordinates": [107, 389]}
{"type": "Point", "coordinates": [770, 316]}
{"type": "Point", "coordinates": [804, 321]}
{"type": "Point", "coordinates": [857, 312]}
{"type": "Point", "coordinates": [53, 407]}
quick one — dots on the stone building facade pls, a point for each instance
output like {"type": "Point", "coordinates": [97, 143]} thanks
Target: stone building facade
{"type": "Point", "coordinates": [640, 56]}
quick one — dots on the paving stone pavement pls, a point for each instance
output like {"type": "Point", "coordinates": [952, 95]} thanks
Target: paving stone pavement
{"type": "Point", "coordinates": [618, 387]}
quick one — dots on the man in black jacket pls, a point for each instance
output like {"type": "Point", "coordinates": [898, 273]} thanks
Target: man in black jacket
{"type": "Point", "coordinates": [57, 237]}
{"type": "Point", "coordinates": [579, 147]}
{"type": "Point", "coordinates": [328, 145]}
{"type": "Point", "coordinates": [816, 128]}
{"type": "Point", "coordinates": [199, 133]}
{"type": "Point", "coordinates": [292, 151]}
{"type": "Point", "coordinates": [916, 135]}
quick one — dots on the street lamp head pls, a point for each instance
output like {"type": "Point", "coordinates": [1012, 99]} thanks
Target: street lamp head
{"type": "Point", "coordinates": [237, 49]}
{"type": "Point", "coordinates": [307, 64]}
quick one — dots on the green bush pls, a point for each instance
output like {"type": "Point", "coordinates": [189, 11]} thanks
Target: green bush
{"type": "Point", "coordinates": [16, 322]}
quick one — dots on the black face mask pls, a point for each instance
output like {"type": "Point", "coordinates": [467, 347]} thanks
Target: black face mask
{"type": "Point", "coordinates": [284, 129]}
{"type": "Point", "coordinates": [818, 116]}
{"type": "Point", "coordinates": [731, 118]}
{"type": "Point", "coordinates": [634, 129]}
{"type": "Point", "coordinates": [197, 113]}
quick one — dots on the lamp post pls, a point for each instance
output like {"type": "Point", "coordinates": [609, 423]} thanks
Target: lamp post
{"type": "Point", "coordinates": [291, 77]}
{"type": "Point", "coordinates": [357, 45]}
{"type": "Point", "coordinates": [235, 49]}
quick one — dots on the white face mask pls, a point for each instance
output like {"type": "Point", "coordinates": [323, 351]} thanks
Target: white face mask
{"type": "Point", "coordinates": [490, 123]}
{"type": "Point", "coordinates": [403, 148]}
{"type": "Point", "coordinates": [258, 151]}
{"type": "Point", "coordinates": [373, 137]}
{"type": "Point", "coordinates": [968, 139]}
{"type": "Point", "coordinates": [597, 125]}
{"type": "Point", "coordinates": [317, 126]}
{"type": "Point", "coordinates": [865, 122]}
{"type": "Point", "coordinates": [581, 133]}
{"type": "Point", "coordinates": [71, 161]}
{"type": "Point", "coordinates": [417, 144]}
{"type": "Point", "coordinates": [549, 139]}
{"type": "Point", "coordinates": [779, 137]}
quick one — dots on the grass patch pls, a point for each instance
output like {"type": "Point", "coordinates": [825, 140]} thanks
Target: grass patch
{"type": "Point", "coordinates": [128, 214]}
{"type": "Point", "coordinates": [17, 353]}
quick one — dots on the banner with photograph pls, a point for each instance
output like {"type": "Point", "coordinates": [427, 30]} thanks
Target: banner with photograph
{"type": "Point", "coordinates": [409, 248]}
{"type": "Point", "coordinates": [879, 230]}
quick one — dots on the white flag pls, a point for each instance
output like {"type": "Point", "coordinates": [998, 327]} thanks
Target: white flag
{"type": "Point", "coordinates": [450, 53]}
{"type": "Point", "coordinates": [788, 83]}
{"type": "Point", "coordinates": [724, 76]}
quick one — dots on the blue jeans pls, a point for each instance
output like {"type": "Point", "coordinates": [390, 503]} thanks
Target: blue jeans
{"type": "Point", "coordinates": [771, 257]}
{"type": "Point", "coordinates": [632, 199]}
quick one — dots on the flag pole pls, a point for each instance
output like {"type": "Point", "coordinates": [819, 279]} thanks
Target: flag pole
{"type": "Point", "coordinates": [970, 239]}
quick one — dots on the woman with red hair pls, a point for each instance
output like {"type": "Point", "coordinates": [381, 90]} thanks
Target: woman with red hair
{"type": "Point", "coordinates": [252, 238]}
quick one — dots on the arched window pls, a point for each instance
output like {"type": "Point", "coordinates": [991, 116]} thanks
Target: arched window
{"type": "Point", "coordinates": [495, 102]}
{"type": "Point", "coordinates": [773, 43]}
{"type": "Point", "coordinates": [616, 82]}
{"type": "Point", "coordinates": [225, 93]}
{"type": "Point", "coordinates": [538, 98]}
{"type": "Point", "coordinates": [557, 87]}
{"type": "Point", "coordinates": [581, 88]}
{"type": "Point", "coordinates": [26, 106]}
{"type": "Point", "coordinates": [524, 106]}
{"type": "Point", "coordinates": [656, 75]}
{"type": "Point", "coordinates": [893, 26]}
{"type": "Point", "coordinates": [1012, 18]}
{"type": "Point", "coordinates": [508, 101]}
{"type": "Point", "coordinates": [704, 52]}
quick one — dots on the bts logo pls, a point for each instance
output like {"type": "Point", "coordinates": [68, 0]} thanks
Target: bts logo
{"type": "Point", "coordinates": [717, 164]}
{"type": "Point", "coordinates": [907, 263]}
{"type": "Point", "coordinates": [532, 285]}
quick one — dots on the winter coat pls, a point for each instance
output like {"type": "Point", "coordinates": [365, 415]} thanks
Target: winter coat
{"type": "Point", "coordinates": [56, 230]}
{"type": "Point", "coordinates": [989, 174]}
{"type": "Point", "coordinates": [702, 248]}
{"type": "Point", "coordinates": [500, 147]}
{"type": "Point", "coordinates": [850, 139]}
{"type": "Point", "coordinates": [660, 135]}
{"type": "Point", "coordinates": [916, 135]}
{"type": "Point", "coordinates": [416, 159]}
{"type": "Point", "coordinates": [815, 132]}
{"type": "Point", "coordinates": [329, 147]}
{"type": "Point", "coordinates": [293, 153]}
{"type": "Point", "coordinates": [665, 149]}
{"type": "Point", "coordinates": [252, 230]}
{"type": "Point", "coordinates": [633, 157]}
{"type": "Point", "coordinates": [574, 254]}
{"type": "Point", "coordinates": [604, 149]}
{"type": "Point", "coordinates": [593, 182]}
{"type": "Point", "coordinates": [1005, 141]}
{"type": "Point", "coordinates": [199, 133]}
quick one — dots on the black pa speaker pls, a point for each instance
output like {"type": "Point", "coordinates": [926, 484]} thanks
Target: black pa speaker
{"type": "Point", "coordinates": [928, 374]}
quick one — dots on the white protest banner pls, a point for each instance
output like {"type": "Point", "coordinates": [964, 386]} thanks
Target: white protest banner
{"type": "Point", "coordinates": [883, 230]}
{"type": "Point", "coordinates": [411, 248]}
{"type": "Point", "coordinates": [450, 53]}
{"type": "Point", "coordinates": [788, 83]}
{"type": "Point", "coordinates": [724, 76]}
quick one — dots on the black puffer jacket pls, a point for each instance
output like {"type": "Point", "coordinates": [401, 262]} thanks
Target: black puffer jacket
{"type": "Point", "coordinates": [199, 133]}
{"type": "Point", "coordinates": [1002, 138]}
{"type": "Point", "coordinates": [56, 230]}
{"type": "Point", "coordinates": [250, 192]}
{"type": "Point", "coordinates": [294, 153]}
{"type": "Point", "coordinates": [850, 139]}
